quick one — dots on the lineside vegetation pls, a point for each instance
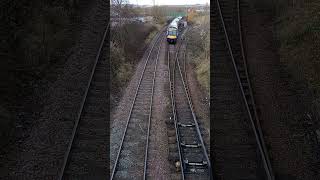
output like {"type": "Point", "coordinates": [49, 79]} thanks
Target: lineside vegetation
{"type": "Point", "coordinates": [128, 42]}
{"type": "Point", "coordinates": [35, 37]}
{"type": "Point", "coordinates": [198, 48]}
{"type": "Point", "coordinates": [297, 32]}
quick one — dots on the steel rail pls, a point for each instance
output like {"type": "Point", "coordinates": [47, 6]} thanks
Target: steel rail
{"type": "Point", "coordinates": [171, 81]}
{"type": "Point", "coordinates": [66, 156]}
{"type": "Point", "coordinates": [257, 136]}
{"type": "Point", "coordinates": [132, 105]}
{"type": "Point", "coordinates": [250, 89]}
{"type": "Point", "coordinates": [184, 59]}
{"type": "Point", "coordinates": [195, 119]}
{"type": "Point", "coordinates": [150, 114]}
{"type": "Point", "coordinates": [185, 49]}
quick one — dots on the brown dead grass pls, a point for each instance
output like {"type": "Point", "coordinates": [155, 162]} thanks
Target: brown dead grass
{"type": "Point", "coordinates": [198, 44]}
{"type": "Point", "coordinates": [124, 57]}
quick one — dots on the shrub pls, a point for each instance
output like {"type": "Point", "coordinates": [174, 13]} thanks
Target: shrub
{"type": "Point", "coordinates": [198, 39]}
{"type": "Point", "coordinates": [126, 43]}
{"type": "Point", "coordinates": [33, 37]}
{"type": "Point", "coordinates": [298, 30]}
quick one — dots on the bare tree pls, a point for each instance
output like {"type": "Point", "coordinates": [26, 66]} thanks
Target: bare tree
{"type": "Point", "coordinates": [120, 11]}
{"type": "Point", "coordinates": [158, 13]}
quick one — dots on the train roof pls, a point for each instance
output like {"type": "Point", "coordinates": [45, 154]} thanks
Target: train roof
{"type": "Point", "coordinates": [175, 22]}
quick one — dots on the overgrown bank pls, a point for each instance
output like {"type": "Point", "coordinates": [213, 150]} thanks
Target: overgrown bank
{"type": "Point", "coordinates": [127, 46]}
{"type": "Point", "coordinates": [297, 32]}
{"type": "Point", "coordinates": [198, 48]}
{"type": "Point", "coordinates": [279, 54]}
{"type": "Point", "coordinates": [36, 37]}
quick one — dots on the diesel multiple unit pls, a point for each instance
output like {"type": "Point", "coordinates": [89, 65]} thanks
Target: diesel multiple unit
{"type": "Point", "coordinates": [173, 31]}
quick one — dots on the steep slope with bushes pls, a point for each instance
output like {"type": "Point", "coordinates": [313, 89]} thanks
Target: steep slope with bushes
{"type": "Point", "coordinates": [298, 33]}
{"type": "Point", "coordinates": [198, 48]}
{"type": "Point", "coordinates": [36, 37]}
{"type": "Point", "coordinates": [127, 46]}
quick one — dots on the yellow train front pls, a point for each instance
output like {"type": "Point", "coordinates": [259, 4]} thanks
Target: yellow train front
{"type": "Point", "coordinates": [172, 35]}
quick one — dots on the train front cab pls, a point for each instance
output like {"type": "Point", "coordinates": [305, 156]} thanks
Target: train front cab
{"type": "Point", "coordinates": [172, 39]}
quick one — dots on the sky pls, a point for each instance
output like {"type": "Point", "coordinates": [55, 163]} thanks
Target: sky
{"type": "Point", "coordinates": [169, 2]}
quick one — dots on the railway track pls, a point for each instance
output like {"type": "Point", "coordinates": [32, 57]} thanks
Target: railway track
{"type": "Point", "coordinates": [192, 153]}
{"type": "Point", "coordinates": [86, 156]}
{"type": "Point", "coordinates": [239, 146]}
{"type": "Point", "coordinates": [131, 162]}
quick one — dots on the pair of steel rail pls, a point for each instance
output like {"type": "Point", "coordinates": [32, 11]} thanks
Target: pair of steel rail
{"type": "Point", "coordinates": [158, 38]}
{"type": "Point", "coordinates": [84, 97]}
{"type": "Point", "coordinates": [244, 84]}
{"type": "Point", "coordinates": [181, 146]}
{"type": "Point", "coordinates": [246, 90]}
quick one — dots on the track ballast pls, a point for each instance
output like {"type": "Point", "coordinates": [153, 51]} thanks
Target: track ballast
{"type": "Point", "coordinates": [192, 153]}
{"type": "Point", "coordinates": [238, 146]}
{"type": "Point", "coordinates": [132, 156]}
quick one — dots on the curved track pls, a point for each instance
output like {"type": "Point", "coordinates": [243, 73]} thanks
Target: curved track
{"type": "Point", "coordinates": [135, 139]}
{"type": "Point", "coordinates": [193, 157]}
{"type": "Point", "coordinates": [239, 146]}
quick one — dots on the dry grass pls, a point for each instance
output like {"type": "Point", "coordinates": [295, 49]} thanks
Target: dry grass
{"type": "Point", "coordinates": [198, 39]}
{"type": "Point", "coordinates": [34, 38]}
{"type": "Point", "coordinates": [124, 57]}
{"type": "Point", "coordinates": [203, 74]}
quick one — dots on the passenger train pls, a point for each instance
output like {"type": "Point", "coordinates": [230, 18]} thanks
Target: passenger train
{"type": "Point", "coordinates": [173, 31]}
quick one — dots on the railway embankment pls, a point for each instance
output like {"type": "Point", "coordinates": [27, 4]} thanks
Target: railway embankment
{"type": "Point", "coordinates": [282, 54]}
{"type": "Point", "coordinates": [127, 46]}
{"type": "Point", "coordinates": [198, 39]}
{"type": "Point", "coordinates": [54, 54]}
{"type": "Point", "coordinates": [297, 31]}
{"type": "Point", "coordinates": [36, 39]}
{"type": "Point", "coordinates": [197, 46]}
